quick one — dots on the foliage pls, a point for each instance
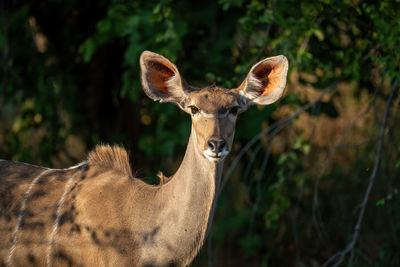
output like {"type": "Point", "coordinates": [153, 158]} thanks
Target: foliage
{"type": "Point", "coordinates": [70, 79]}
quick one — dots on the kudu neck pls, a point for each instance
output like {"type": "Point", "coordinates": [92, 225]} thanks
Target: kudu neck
{"type": "Point", "coordinates": [183, 207]}
{"type": "Point", "coordinates": [196, 166]}
{"type": "Point", "coordinates": [197, 181]}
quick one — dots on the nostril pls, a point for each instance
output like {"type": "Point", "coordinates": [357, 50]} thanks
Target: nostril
{"type": "Point", "coordinates": [216, 145]}
{"type": "Point", "coordinates": [222, 145]}
{"type": "Point", "coordinates": [212, 145]}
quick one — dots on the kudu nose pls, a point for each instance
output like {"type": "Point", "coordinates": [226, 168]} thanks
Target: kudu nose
{"type": "Point", "coordinates": [216, 145]}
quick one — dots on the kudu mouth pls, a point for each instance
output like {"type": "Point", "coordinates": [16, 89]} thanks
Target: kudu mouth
{"type": "Point", "coordinates": [217, 149]}
{"type": "Point", "coordinates": [215, 156]}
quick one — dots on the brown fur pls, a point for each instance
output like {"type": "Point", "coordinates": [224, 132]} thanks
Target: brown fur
{"type": "Point", "coordinates": [98, 214]}
{"type": "Point", "coordinates": [111, 157]}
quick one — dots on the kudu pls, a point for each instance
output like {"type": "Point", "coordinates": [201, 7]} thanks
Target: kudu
{"type": "Point", "coordinates": [98, 214]}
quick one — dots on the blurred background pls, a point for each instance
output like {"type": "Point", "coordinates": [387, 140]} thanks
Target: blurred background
{"type": "Point", "coordinates": [312, 180]}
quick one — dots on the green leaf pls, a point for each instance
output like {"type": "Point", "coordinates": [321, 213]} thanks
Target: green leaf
{"type": "Point", "coordinates": [87, 49]}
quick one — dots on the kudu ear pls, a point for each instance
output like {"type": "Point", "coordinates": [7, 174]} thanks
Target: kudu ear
{"type": "Point", "coordinates": [161, 79]}
{"type": "Point", "coordinates": [265, 82]}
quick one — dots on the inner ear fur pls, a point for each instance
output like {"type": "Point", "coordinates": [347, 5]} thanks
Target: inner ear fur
{"type": "Point", "coordinates": [266, 81]}
{"type": "Point", "coordinates": [161, 79]}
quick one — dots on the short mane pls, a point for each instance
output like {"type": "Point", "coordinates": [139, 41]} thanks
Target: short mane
{"type": "Point", "coordinates": [114, 157]}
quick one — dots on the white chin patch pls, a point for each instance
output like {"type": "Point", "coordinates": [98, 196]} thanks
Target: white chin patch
{"type": "Point", "coordinates": [215, 157]}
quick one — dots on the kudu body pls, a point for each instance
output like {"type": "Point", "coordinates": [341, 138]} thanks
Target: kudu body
{"type": "Point", "coordinates": [98, 214]}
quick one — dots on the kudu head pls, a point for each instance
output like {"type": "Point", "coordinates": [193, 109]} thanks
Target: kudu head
{"type": "Point", "coordinates": [213, 109]}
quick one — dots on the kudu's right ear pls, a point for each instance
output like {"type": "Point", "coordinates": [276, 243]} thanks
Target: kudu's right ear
{"type": "Point", "coordinates": [161, 79]}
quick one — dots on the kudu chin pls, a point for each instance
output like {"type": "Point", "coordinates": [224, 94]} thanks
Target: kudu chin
{"type": "Point", "coordinates": [98, 214]}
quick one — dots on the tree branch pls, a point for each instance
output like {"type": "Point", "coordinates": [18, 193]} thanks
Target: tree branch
{"type": "Point", "coordinates": [350, 246]}
{"type": "Point", "coordinates": [316, 217]}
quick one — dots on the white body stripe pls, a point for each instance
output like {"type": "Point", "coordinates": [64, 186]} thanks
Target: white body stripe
{"type": "Point", "coordinates": [64, 169]}
{"type": "Point", "coordinates": [20, 215]}
{"type": "Point", "coordinates": [30, 165]}
{"type": "Point", "coordinates": [60, 204]}
{"type": "Point", "coordinates": [76, 166]}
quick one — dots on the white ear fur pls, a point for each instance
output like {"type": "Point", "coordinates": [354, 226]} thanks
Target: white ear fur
{"type": "Point", "coordinates": [161, 79]}
{"type": "Point", "coordinates": [265, 82]}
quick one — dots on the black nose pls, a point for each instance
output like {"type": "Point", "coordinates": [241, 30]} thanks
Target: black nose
{"type": "Point", "coordinates": [216, 145]}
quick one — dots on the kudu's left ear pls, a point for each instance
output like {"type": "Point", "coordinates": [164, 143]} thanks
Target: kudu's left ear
{"type": "Point", "coordinates": [161, 79]}
{"type": "Point", "coordinates": [265, 82]}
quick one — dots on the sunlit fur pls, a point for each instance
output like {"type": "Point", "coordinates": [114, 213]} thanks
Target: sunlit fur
{"type": "Point", "coordinates": [98, 214]}
{"type": "Point", "coordinates": [213, 119]}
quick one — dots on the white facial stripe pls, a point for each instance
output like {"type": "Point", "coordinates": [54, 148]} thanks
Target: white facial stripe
{"type": "Point", "coordinates": [208, 115]}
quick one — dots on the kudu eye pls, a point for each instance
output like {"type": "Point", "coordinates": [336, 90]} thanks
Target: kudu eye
{"type": "Point", "coordinates": [234, 110]}
{"type": "Point", "coordinates": [194, 110]}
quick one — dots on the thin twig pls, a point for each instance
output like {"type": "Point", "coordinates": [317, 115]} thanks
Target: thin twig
{"type": "Point", "coordinates": [300, 194]}
{"type": "Point", "coordinates": [259, 195]}
{"type": "Point", "coordinates": [316, 216]}
{"type": "Point", "coordinates": [350, 246]}
{"type": "Point", "coordinates": [248, 169]}
{"type": "Point", "coordinates": [259, 176]}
